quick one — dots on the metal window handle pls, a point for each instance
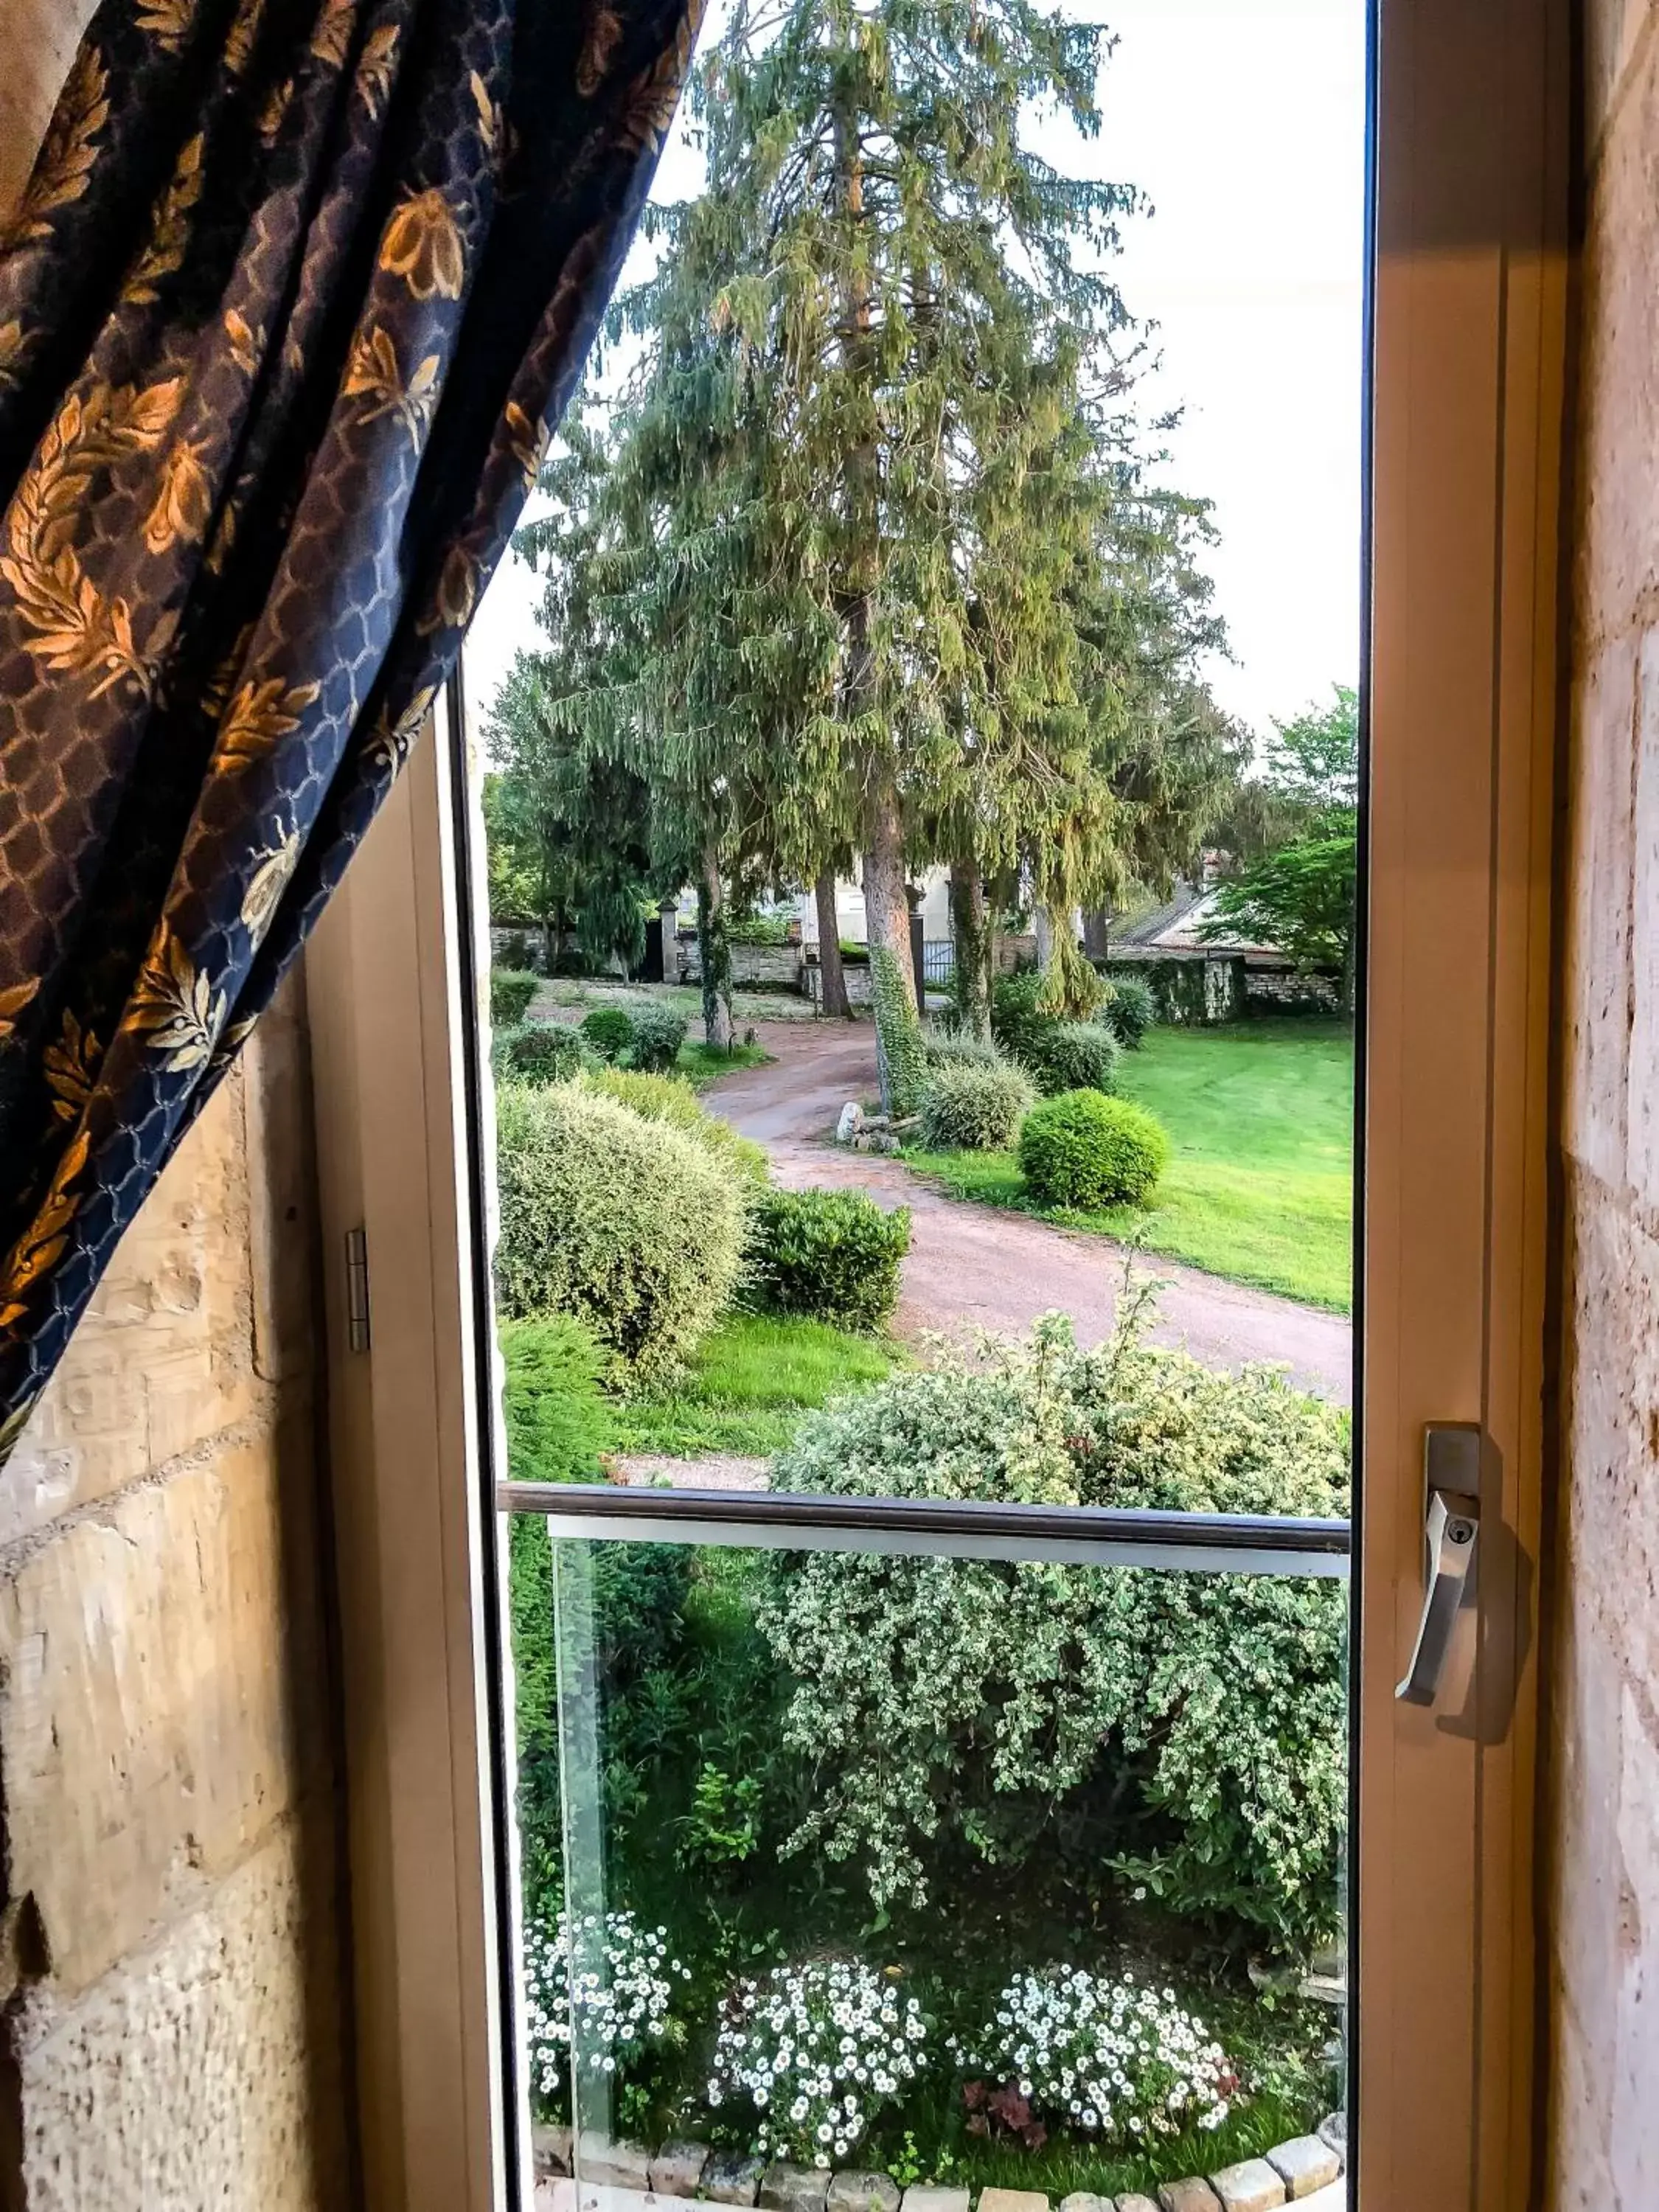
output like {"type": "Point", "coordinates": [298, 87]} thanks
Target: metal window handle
{"type": "Point", "coordinates": [1452, 1527]}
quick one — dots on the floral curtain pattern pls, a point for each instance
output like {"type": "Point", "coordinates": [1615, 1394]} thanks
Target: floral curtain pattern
{"type": "Point", "coordinates": [293, 296]}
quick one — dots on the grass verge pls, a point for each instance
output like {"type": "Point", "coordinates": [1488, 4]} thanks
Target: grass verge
{"type": "Point", "coordinates": [1260, 1186]}
{"type": "Point", "coordinates": [748, 1385]}
{"type": "Point", "coordinates": [703, 1064]}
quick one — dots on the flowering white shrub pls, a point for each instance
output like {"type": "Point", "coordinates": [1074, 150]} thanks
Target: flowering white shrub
{"type": "Point", "coordinates": [1116, 2059]}
{"type": "Point", "coordinates": [817, 2050]}
{"type": "Point", "coordinates": [618, 2010]}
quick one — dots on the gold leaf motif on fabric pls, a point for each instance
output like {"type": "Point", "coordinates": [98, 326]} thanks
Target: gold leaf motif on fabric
{"type": "Point", "coordinates": [371, 372]}
{"type": "Point", "coordinates": [266, 709]}
{"type": "Point", "coordinates": [174, 1005]}
{"type": "Point", "coordinates": [74, 629]}
{"type": "Point", "coordinates": [246, 344]}
{"type": "Point", "coordinates": [450, 607]}
{"type": "Point", "coordinates": [42, 1244]}
{"type": "Point", "coordinates": [71, 1065]}
{"type": "Point", "coordinates": [527, 441]}
{"type": "Point", "coordinates": [14, 343]}
{"type": "Point", "coordinates": [604, 30]}
{"type": "Point", "coordinates": [184, 500]}
{"type": "Point", "coordinates": [66, 159]}
{"type": "Point", "coordinates": [164, 256]}
{"type": "Point", "coordinates": [268, 882]}
{"type": "Point", "coordinates": [331, 40]}
{"type": "Point", "coordinates": [374, 68]}
{"type": "Point", "coordinates": [12, 1003]}
{"type": "Point", "coordinates": [167, 21]}
{"type": "Point", "coordinates": [422, 245]}
{"type": "Point", "coordinates": [269, 123]}
{"type": "Point", "coordinates": [388, 748]}
{"type": "Point", "coordinates": [242, 36]}
{"type": "Point", "coordinates": [655, 93]}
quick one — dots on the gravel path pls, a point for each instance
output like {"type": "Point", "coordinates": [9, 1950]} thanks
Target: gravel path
{"type": "Point", "coordinates": [974, 1268]}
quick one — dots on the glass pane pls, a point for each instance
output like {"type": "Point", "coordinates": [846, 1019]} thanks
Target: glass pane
{"type": "Point", "coordinates": [881, 1873]}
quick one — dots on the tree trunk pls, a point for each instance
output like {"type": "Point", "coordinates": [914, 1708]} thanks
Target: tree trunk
{"type": "Point", "coordinates": [832, 1001]}
{"type": "Point", "coordinates": [886, 908]}
{"type": "Point", "coordinates": [1096, 933]}
{"type": "Point", "coordinates": [668, 915]}
{"type": "Point", "coordinates": [714, 956]}
{"type": "Point", "coordinates": [1043, 930]}
{"type": "Point", "coordinates": [970, 940]}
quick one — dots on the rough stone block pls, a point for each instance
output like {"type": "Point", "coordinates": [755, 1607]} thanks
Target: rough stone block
{"type": "Point", "coordinates": [1190, 2195]}
{"type": "Point", "coordinates": [201, 2070]}
{"type": "Point", "coordinates": [785, 2188]}
{"type": "Point", "coordinates": [927, 2198]}
{"type": "Point", "coordinates": [729, 2178]}
{"type": "Point", "coordinates": [148, 1731]}
{"type": "Point", "coordinates": [1013, 2200]}
{"type": "Point", "coordinates": [1334, 2131]}
{"type": "Point", "coordinates": [1133, 2203]}
{"type": "Point", "coordinates": [855, 2190]}
{"type": "Point", "coordinates": [677, 2169]}
{"type": "Point", "coordinates": [607, 2163]}
{"type": "Point", "coordinates": [550, 2149]}
{"type": "Point", "coordinates": [1253, 2185]}
{"type": "Point", "coordinates": [1304, 2164]}
{"type": "Point", "coordinates": [1085, 2200]}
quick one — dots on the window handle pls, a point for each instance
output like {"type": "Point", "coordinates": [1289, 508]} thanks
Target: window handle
{"type": "Point", "coordinates": [1451, 1457]}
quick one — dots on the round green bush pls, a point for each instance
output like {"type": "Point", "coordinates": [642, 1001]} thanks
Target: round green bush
{"type": "Point", "coordinates": [1074, 1056]}
{"type": "Point", "coordinates": [511, 990]}
{"type": "Point", "coordinates": [1084, 1150]}
{"type": "Point", "coordinates": [659, 1033]}
{"type": "Point", "coordinates": [833, 1253]}
{"type": "Point", "coordinates": [1107, 1727]}
{"type": "Point", "coordinates": [975, 1106]}
{"type": "Point", "coordinates": [543, 1052]}
{"type": "Point", "coordinates": [669, 1098]}
{"type": "Point", "coordinates": [610, 1030]}
{"type": "Point", "coordinates": [1130, 1010]}
{"type": "Point", "coordinates": [626, 1224]}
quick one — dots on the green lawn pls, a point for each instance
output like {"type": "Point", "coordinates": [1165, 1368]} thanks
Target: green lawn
{"type": "Point", "coordinates": [748, 1384]}
{"type": "Point", "coordinates": [703, 1064]}
{"type": "Point", "coordinates": [1261, 1185]}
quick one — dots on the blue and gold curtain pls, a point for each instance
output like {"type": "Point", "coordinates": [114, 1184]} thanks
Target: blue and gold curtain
{"type": "Point", "coordinates": [295, 290]}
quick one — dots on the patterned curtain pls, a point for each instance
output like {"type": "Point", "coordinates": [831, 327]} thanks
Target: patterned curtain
{"type": "Point", "coordinates": [295, 292]}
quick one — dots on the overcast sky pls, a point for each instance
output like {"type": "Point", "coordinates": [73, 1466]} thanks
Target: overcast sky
{"type": "Point", "coordinates": [1244, 122]}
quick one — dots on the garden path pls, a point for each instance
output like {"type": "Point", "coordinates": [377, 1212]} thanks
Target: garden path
{"type": "Point", "coordinates": [974, 1267]}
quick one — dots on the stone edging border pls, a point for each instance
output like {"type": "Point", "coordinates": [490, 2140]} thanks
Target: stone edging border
{"type": "Point", "coordinates": [685, 2173]}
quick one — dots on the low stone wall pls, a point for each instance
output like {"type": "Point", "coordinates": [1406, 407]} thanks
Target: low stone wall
{"type": "Point", "coordinates": [1190, 991]}
{"type": "Point", "coordinates": [753, 967]}
{"type": "Point", "coordinates": [1287, 991]}
{"type": "Point", "coordinates": [623, 2177]}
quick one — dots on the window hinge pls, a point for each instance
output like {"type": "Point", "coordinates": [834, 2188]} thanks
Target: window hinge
{"type": "Point", "coordinates": [357, 1288]}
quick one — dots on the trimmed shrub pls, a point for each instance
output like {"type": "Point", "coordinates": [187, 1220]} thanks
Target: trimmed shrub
{"type": "Point", "coordinates": [975, 1106]}
{"type": "Point", "coordinates": [954, 1047]}
{"type": "Point", "coordinates": [610, 1030]}
{"type": "Point", "coordinates": [1086, 1150]}
{"type": "Point", "coordinates": [659, 1033]}
{"type": "Point", "coordinates": [1016, 1017]}
{"type": "Point", "coordinates": [669, 1098]}
{"type": "Point", "coordinates": [511, 990]}
{"type": "Point", "coordinates": [543, 1052]}
{"type": "Point", "coordinates": [626, 1224]}
{"type": "Point", "coordinates": [1130, 1010]}
{"type": "Point", "coordinates": [832, 1254]}
{"type": "Point", "coordinates": [1076, 1056]}
{"type": "Point", "coordinates": [1181, 1733]}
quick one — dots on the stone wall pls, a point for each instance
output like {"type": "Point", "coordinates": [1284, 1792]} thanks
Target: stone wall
{"type": "Point", "coordinates": [169, 1954]}
{"type": "Point", "coordinates": [1602, 1813]}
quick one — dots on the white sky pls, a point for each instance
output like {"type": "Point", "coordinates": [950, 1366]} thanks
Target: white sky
{"type": "Point", "coordinates": [1244, 121]}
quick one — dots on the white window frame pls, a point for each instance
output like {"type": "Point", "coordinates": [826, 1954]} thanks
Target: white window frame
{"type": "Point", "coordinates": [1468, 352]}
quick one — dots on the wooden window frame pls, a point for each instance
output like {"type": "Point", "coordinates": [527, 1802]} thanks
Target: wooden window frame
{"type": "Point", "coordinates": [1468, 347]}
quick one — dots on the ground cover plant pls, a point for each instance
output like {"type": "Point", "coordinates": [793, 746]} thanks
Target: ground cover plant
{"type": "Point", "coordinates": [747, 1386]}
{"type": "Point", "coordinates": [1259, 1184]}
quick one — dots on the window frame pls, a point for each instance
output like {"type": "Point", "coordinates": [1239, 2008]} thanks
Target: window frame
{"type": "Point", "coordinates": [1467, 351]}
